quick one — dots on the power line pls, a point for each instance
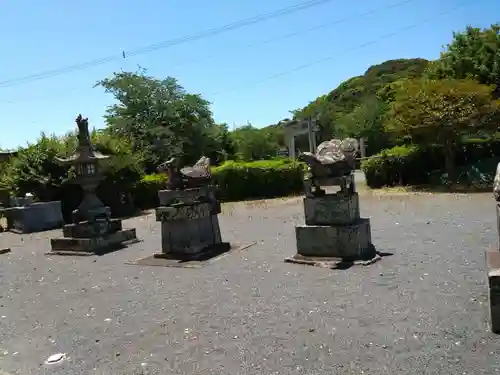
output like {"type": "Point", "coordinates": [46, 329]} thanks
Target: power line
{"type": "Point", "coordinates": [360, 46]}
{"type": "Point", "coordinates": [295, 33]}
{"type": "Point", "coordinates": [168, 43]}
{"type": "Point", "coordinates": [308, 30]}
{"type": "Point", "coordinates": [333, 57]}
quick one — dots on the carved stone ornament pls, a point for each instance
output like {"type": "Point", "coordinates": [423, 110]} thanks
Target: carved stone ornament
{"type": "Point", "coordinates": [187, 177]}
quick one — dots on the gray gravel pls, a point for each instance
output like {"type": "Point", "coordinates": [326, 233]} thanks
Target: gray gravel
{"type": "Point", "coordinates": [423, 310]}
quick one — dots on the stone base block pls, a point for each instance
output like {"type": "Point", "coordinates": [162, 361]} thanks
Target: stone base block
{"type": "Point", "coordinates": [206, 252]}
{"type": "Point", "coordinates": [331, 209]}
{"type": "Point", "coordinates": [344, 241]}
{"type": "Point", "coordinates": [91, 245]}
{"type": "Point", "coordinates": [493, 266]}
{"type": "Point", "coordinates": [36, 217]}
{"type": "Point", "coordinates": [94, 229]}
{"type": "Point", "coordinates": [190, 236]}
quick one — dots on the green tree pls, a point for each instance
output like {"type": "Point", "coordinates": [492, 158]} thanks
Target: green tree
{"type": "Point", "coordinates": [366, 121]}
{"type": "Point", "coordinates": [442, 112]}
{"type": "Point", "coordinates": [159, 118]}
{"type": "Point", "coordinates": [254, 144]}
{"type": "Point", "coordinates": [473, 53]}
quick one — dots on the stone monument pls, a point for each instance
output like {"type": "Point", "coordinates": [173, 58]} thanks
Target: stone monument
{"type": "Point", "coordinates": [92, 229]}
{"type": "Point", "coordinates": [188, 212]}
{"type": "Point", "coordinates": [493, 263]}
{"type": "Point", "coordinates": [333, 232]}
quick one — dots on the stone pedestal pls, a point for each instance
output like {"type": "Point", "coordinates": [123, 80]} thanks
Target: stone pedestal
{"type": "Point", "coordinates": [34, 217]}
{"type": "Point", "coordinates": [334, 228]}
{"type": "Point", "coordinates": [493, 266]}
{"type": "Point", "coordinates": [189, 223]}
{"type": "Point", "coordinates": [92, 237]}
{"type": "Point", "coordinates": [334, 231]}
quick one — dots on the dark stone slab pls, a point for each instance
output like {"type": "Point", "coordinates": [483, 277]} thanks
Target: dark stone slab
{"type": "Point", "coordinates": [199, 260]}
{"type": "Point", "coordinates": [91, 245]}
{"type": "Point", "coordinates": [183, 212]}
{"type": "Point", "coordinates": [168, 197]}
{"type": "Point", "coordinates": [92, 229]}
{"type": "Point", "coordinates": [344, 241]}
{"type": "Point", "coordinates": [331, 209]}
{"type": "Point", "coordinates": [190, 236]}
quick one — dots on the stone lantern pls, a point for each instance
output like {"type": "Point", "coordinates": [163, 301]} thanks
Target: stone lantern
{"type": "Point", "coordinates": [92, 228]}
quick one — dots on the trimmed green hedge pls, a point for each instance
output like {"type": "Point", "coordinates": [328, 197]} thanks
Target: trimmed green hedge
{"type": "Point", "coordinates": [417, 165]}
{"type": "Point", "coordinates": [236, 181]}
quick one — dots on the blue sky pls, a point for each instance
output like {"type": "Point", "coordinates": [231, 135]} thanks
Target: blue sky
{"type": "Point", "coordinates": [253, 74]}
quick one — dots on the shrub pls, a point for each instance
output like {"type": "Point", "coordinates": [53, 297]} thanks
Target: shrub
{"type": "Point", "coordinates": [415, 165]}
{"type": "Point", "coordinates": [235, 181]}
{"type": "Point", "coordinates": [400, 165]}
{"type": "Point", "coordinates": [258, 179]}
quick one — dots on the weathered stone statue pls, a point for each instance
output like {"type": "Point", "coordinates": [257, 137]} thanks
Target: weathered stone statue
{"type": "Point", "coordinates": [188, 212]}
{"type": "Point", "coordinates": [83, 131]}
{"type": "Point", "coordinates": [333, 159]}
{"type": "Point", "coordinates": [187, 177]}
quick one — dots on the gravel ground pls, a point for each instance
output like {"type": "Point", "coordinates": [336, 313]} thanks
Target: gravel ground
{"type": "Point", "coordinates": [423, 310]}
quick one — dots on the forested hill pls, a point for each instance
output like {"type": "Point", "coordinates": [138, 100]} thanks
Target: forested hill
{"type": "Point", "coordinates": [347, 109]}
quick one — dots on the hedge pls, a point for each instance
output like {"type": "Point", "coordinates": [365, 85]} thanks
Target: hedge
{"type": "Point", "coordinates": [416, 165]}
{"type": "Point", "coordinates": [236, 181]}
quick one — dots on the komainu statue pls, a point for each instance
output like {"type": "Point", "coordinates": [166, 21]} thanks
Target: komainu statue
{"type": "Point", "coordinates": [180, 178]}
{"type": "Point", "coordinates": [334, 159]}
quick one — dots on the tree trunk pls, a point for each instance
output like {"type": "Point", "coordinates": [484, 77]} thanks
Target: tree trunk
{"type": "Point", "coordinates": [449, 158]}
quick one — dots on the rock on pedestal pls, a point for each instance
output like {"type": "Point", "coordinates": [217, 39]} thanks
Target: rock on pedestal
{"type": "Point", "coordinates": [333, 230]}
{"type": "Point", "coordinates": [87, 238]}
{"type": "Point", "coordinates": [189, 223]}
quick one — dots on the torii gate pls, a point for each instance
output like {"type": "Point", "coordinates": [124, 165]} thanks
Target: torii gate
{"type": "Point", "coordinates": [294, 128]}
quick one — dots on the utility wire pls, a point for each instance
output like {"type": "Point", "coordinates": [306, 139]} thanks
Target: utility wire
{"type": "Point", "coordinates": [168, 43]}
{"type": "Point", "coordinates": [290, 35]}
{"type": "Point", "coordinates": [333, 57]}
{"type": "Point", "coordinates": [304, 31]}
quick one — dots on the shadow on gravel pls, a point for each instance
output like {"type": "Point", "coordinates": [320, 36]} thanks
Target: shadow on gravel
{"type": "Point", "coordinates": [345, 264]}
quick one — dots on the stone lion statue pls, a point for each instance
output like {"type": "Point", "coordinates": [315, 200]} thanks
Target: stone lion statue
{"type": "Point", "coordinates": [334, 158]}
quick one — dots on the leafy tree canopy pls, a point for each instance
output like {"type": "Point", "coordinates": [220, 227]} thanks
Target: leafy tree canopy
{"type": "Point", "coordinates": [442, 112]}
{"type": "Point", "coordinates": [161, 119]}
{"type": "Point", "coordinates": [473, 53]}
